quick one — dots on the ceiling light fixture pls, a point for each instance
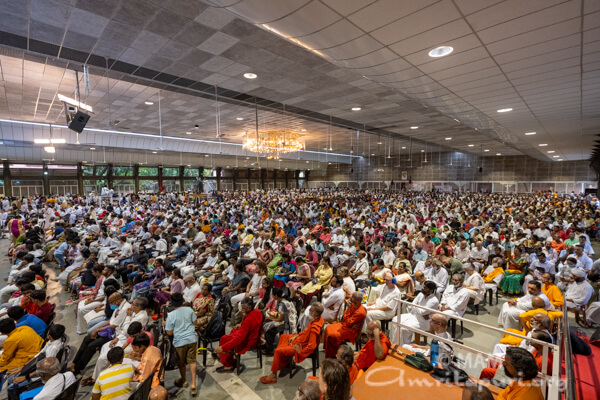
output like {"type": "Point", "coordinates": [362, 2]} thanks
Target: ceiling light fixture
{"type": "Point", "coordinates": [441, 51]}
{"type": "Point", "coordinates": [403, 147]}
{"type": "Point", "coordinates": [560, 159]}
{"type": "Point", "coordinates": [551, 151]}
{"type": "Point", "coordinates": [273, 143]}
{"type": "Point", "coordinates": [555, 156]}
{"type": "Point", "coordinates": [414, 127]}
{"type": "Point", "coordinates": [250, 75]}
{"type": "Point", "coordinates": [240, 118]}
{"type": "Point", "coordinates": [74, 102]}
{"type": "Point", "coordinates": [498, 154]}
{"type": "Point", "coordinates": [379, 142]}
{"type": "Point", "coordinates": [471, 145]}
{"type": "Point", "coordinates": [206, 155]}
{"type": "Point", "coordinates": [189, 165]}
{"type": "Point", "coordinates": [448, 138]}
{"type": "Point", "coordinates": [503, 110]}
{"type": "Point", "coordinates": [92, 148]}
{"type": "Point", "coordinates": [422, 151]}
{"type": "Point", "coordinates": [356, 108]}
{"type": "Point", "coordinates": [486, 150]}
{"type": "Point", "coordinates": [148, 103]}
{"type": "Point", "coordinates": [188, 133]}
{"type": "Point", "coordinates": [50, 149]}
{"type": "Point", "coordinates": [529, 133]}
{"type": "Point", "coordinates": [154, 152]}
{"type": "Point", "coordinates": [303, 130]}
{"type": "Point", "coordinates": [543, 144]}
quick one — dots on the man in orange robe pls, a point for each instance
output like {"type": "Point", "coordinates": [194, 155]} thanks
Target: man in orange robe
{"type": "Point", "coordinates": [376, 348]}
{"type": "Point", "coordinates": [298, 346]}
{"type": "Point", "coordinates": [241, 338]}
{"type": "Point", "coordinates": [336, 334]}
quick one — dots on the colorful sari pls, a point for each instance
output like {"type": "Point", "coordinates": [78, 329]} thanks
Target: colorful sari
{"type": "Point", "coordinates": [203, 303]}
{"type": "Point", "coordinates": [511, 283]}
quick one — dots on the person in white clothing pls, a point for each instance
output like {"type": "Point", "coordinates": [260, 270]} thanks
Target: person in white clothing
{"type": "Point", "coordinates": [55, 383]}
{"type": "Point", "coordinates": [474, 283]}
{"type": "Point", "coordinates": [348, 285]}
{"type": "Point", "coordinates": [252, 290]}
{"type": "Point", "coordinates": [192, 289]}
{"type": "Point", "coordinates": [416, 317]}
{"type": "Point", "coordinates": [455, 298]}
{"type": "Point", "coordinates": [385, 306]}
{"type": "Point", "coordinates": [333, 299]}
{"type": "Point", "coordinates": [579, 292]}
{"type": "Point", "coordinates": [360, 269]}
{"type": "Point", "coordinates": [439, 275]}
{"type": "Point", "coordinates": [509, 314]}
{"type": "Point", "coordinates": [438, 325]}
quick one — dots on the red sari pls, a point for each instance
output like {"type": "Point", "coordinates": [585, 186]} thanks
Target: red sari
{"type": "Point", "coordinates": [242, 339]}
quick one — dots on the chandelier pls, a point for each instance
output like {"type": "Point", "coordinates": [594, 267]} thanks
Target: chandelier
{"type": "Point", "coordinates": [273, 143]}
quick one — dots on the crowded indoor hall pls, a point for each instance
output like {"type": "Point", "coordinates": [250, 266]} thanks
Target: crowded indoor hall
{"type": "Point", "coordinates": [299, 199]}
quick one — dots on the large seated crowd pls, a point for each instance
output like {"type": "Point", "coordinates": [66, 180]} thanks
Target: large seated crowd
{"type": "Point", "coordinates": [155, 280]}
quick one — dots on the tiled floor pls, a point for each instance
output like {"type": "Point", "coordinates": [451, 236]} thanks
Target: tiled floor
{"type": "Point", "coordinates": [217, 386]}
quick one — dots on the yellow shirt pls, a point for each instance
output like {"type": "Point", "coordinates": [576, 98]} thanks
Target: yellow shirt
{"type": "Point", "coordinates": [21, 346]}
{"type": "Point", "coordinates": [554, 295]}
{"type": "Point", "coordinates": [526, 390]}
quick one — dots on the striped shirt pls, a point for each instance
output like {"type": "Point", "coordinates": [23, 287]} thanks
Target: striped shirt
{"type": "Point", "coordinates": [114, 382]}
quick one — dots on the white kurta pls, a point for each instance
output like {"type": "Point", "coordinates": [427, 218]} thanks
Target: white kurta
{"type": "Point", "coordinates": [415, 317]}
{"type": "Point", "coordinates": [475, 280]}
{"type": "Point", "coordinates": [456, 299]}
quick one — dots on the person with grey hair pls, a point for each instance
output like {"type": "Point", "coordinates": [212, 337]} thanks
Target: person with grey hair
{"type": "Point", "coordinates": [474, 283]}
{"type": "Point", "coordinates": [55, 383]}
{"type": "Point", "coordinates": [455, 298]}
{"type": "Point", "coordinates": [309, 390]}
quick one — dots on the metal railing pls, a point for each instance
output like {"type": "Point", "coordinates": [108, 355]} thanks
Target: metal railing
{"type": "Point", "coordinates": [564, 336]}
{"type": "Point", "coordinates": [551, 382]}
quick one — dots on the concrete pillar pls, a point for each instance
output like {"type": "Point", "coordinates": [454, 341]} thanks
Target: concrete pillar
{"type": "Point", "coordinates": [287, 181]}
{"type": "Point", "coordinates": [201, 181]}
{"type": "Point", "coordinates": [80, 188]}
{"type": "Point", "coordinates": [181, 179]}
{"type": "Point", "coordinates": [160, 179]}
{"type": "Point", "coordinates": [219, 169]}
{"type": "Point", "coordinates": [45, 179]}
{"type": "Point", "coordinates": [234, 180]}
{"type": "Point", "coordinates": [109, 175]}
{"type": "Point", "coordinates": [7, 179]}
{"type": "Point", "coordinates": [248, 178]}
{"type": "Point", "coordinates": [136, 178]}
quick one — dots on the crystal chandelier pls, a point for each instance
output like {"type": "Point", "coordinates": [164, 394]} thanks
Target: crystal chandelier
{"type": "Point", "coordinates": [272, 144]}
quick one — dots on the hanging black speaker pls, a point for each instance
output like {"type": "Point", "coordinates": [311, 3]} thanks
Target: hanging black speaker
{"type": "Point", "coordinates": [480, 169]}
{"type": "Point", "coordinates": [78, 121]}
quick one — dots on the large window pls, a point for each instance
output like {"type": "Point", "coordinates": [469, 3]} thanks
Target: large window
{"type": "Point", "coordinates": [191, 172]}
{"type": "Point", "coordinates": [149, 186]}
{"type": "Point", "coordinates": [171, 185]}
{"type": "Point", "coordinates": [123, 171]}
{"type": "Point", "coordinates": [27, 188]}
{"type": "Point", "coordinates": [94, 185]}
{"type": "Point", "coordinates": [172, 172]}
{"type": "Point", "coordinates": [63, 187]}
{"type": "Point", "coordinates": [123, 186]}
{"type": "Point", "coordinates": [191, 185]}
{"type": "Point", "coordinates": [87, 170]}
{"type": "Point", "coordinates": [148, 171]}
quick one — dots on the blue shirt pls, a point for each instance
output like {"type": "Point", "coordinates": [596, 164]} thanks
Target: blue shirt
{"type": "Point", "coordinates": [420, 255]}
{"type": "Point", "coordinates": [181, 322]}
{"type": "Point", "coordinates": [34, 323]}
{"type": "Point", "coordinates": [62, 248]}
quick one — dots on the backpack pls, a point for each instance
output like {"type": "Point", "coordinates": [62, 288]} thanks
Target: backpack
{"type": "Point", "coordinates": [216, 326]}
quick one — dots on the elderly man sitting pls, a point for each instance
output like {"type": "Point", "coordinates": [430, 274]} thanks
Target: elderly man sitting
{"type": "Point", "coordinates": [384, 308]}
{"type": "Point", "coordinates": [54, 382]}
{"type": "Point", "coordinates": [455, 298]}
{"type": "Point", "coordinates": [474, 283]}
{"type": "Point", "coordinates": [375, 349]}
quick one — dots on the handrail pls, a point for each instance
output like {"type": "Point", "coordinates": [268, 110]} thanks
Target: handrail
{"type": "Point", "coordinates": [570, 390]}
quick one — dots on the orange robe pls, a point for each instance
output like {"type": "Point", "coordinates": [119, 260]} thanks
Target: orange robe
{"type": "Point", "coordinates": [366, 357]}
{"type": "Point", "coordinates": [242, 339]}
{"type": "Point", "coordinates": [554, 295]}
{"type": "Point", "coordinates": [308, 339]}
{"type": "Point", "coordinates": [336, 334]}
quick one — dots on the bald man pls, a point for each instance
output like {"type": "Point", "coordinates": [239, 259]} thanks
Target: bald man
{"type": "Point", "coordinates": [375, 349]}
{"type": "Point", "coordinates": [438, 325]}
{"type": "Point", "coordinates": [336, 334]}
{"type": "Point", "coordinates": [158, 393]}
{"type": "Point", "coordinates": [94, 341]}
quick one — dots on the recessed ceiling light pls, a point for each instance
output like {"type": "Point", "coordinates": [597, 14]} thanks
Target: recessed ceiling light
{"type": "Point", "coordinates": [403, 147]}
{"type": "Point", "coordinates": [356, 108]}
{"type": "Point", "coordinates": [502, 110]}
{"type": "Point", "coordinates": [441, 51]}
{"type": "Point", "coordinates": [250, 75]}
{"type": "Point", "coordinates": [307, 161]}
{"type": "Point", "coordinates": [456, 120]}
{"type": "Point", "coordinates": [92, 148]}
{"type": "Point", "coordinates": [189, 165]}
{"type": "Point", "coordinates": [414, 127]}
{"type": "Point", "coordinates": [379, 143]}
{"type": "Point", "coordinates": [551, 151]}
{"type": "Point", "coordinates": [303, 130]}
{"type": "Point", "coordinates": [555, 156]}
{"type": "Point", "coordinates": [372, 154]}
{"type": "Point", "coordinates": [448, 138]}
{"type": "Point", "coordinates": [529, 133]}
{"type": "Point", "coordinates": [154, 152]}
{"type": "Point", "coordinates": [328, 163]}
{"type": "Point", "coordinates": [188, 133]}
{"type": "Point", "coordinates": [240, 118]}
{"type": "Point", "coordinates": [543, 144]}
{"type": "Point", "coordinates": [498, 154]}
{"type": "Point", "coordinates": [560, 159]}
{"type": "Point", "coordinates": [471, 145]}
{"type": "Point", "coordinates": [422, 151]}
{"type": "Point", "coordinates": [486, 150]}
{"type": "Point", "coordinates": [148, 103]}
